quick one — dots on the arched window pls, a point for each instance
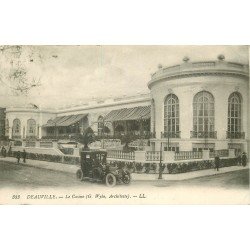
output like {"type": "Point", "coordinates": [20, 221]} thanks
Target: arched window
{"type": "Point", "coordinates": [7, 126]}
{"type": "Point", "coordinates": [100, 125]}
{"type": "Point", "coordinates": [31, 127]}
{"type": "Point", "coordinates": [153, 116]}
{"type": "Point", "coordinates": [234, 115]}
{"type": "Point", "coordinates": [203, 115]}
{"type": "Point", "coordinates": [171, 116]}
{"type": "Point", "coordinates": [16, 127]}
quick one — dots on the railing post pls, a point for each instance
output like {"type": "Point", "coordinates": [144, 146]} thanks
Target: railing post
{"type": "Point", "coordinates": [205, 154]}
{"type": "Point", "coordinates": [168, 156]}
{"type": "Point", "coordinates": [231, 153]}
{"type": "Point", "coordinates": [140, 156]}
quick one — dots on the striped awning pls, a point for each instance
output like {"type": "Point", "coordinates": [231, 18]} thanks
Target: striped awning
{"type": "Point", "coordinates": [126, 114]}
{"type": "Point", "coordinates": [64, 121]}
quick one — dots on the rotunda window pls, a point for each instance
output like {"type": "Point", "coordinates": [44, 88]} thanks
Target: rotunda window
{"type": "Point", "coordinates": [234, 113]}
{"type": "Point", "coordinates": [171, 116]}
{"type": "Point", "coordinates": [16, 127]}
{"type": "Point", "coordinates": [100, 125]}
{"type": "Point", "coordinates": [31, 127]}
{"type": "Point", "coordinates": [203, 113]}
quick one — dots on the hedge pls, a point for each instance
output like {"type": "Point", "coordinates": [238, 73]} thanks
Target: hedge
{"type": "Point", "coordinates": [51, 158]}
{"type": "Point", "coordinates": [176, 168]}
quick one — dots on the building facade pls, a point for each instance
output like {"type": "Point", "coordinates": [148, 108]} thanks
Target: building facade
{"type": "Point", "coordinates": [200, 105]}
{"type": "Point", "coordinates": [2, 122]}
{"type": "Point", "coordinates": [191, 106]}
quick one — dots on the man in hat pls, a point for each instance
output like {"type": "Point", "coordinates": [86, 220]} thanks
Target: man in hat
{"type": "Point", "coordinates": [217, 162]}
{"type": "Point", "coordinates": [244, 159]}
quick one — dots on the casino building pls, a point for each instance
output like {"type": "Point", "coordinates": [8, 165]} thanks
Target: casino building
{"type": "Point", "coordinates": [191, 106]}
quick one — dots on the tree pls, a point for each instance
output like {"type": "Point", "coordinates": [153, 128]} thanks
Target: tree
{"type": "Point", "coordinates": [86, 138]}
{"type": "Point", "coordinates": [106, 130]}
{"type": "Point", "coordinates": [19, 68]}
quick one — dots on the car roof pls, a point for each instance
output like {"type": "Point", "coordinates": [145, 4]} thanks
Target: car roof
{"type": "Point", "coordinates": [94, 152]}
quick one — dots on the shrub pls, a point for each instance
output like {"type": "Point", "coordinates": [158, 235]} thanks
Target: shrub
{"type": "Point", "coordinates": [175, 168]}
{"type": "Point", "coordinates": [71, 160]}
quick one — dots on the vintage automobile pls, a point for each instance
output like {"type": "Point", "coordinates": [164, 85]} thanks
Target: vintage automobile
{"type": "Point", "coordinates": [94, 167]}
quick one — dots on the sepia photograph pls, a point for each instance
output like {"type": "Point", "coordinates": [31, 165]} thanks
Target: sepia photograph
{"type": "Point", "coordinates": [124, 124]}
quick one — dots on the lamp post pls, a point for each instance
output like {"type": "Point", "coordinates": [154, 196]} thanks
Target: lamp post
{"type": "Point", "coordinates": [160, 164]}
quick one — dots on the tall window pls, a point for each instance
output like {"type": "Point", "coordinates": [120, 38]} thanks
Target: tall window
{"type": "Point", "coordinates": [153, 115]}
{"type": "Point", "coordinates": [31, 127]}
{"type": "Point", "coordinates": [100, 125]}
{"type": "Point", "coordinates": [171, 115]}
{"type": "Point", "coordinates": [203, 113]}
{"type": "Point", "coordinates": [234, 113]}
{"type": "Point", "coordinates": [7, 127]}
{"type": "Point", "coordinates": [16, 127]}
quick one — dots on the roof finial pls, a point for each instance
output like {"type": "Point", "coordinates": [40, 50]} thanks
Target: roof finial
{"type": "Point", "coordinates": [221, 57]}
{"type": "Point", "coordinates": [186, 59]}
{"type": "Point", "coordinates": [159, 66]}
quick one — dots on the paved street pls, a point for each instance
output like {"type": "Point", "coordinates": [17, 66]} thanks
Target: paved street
{"type": "Point", "coordinates": [13, 175]}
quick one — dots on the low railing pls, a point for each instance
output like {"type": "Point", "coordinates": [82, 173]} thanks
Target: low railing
{"type": "Point", "coordinates": [131, 135]}
{"type": "Point", "coordinates": [203, 134]}
{"type": "Point", "coordinates": [46, 144]}
{"type": "Point", "coordinates": [118, 154]}
{"type": "Point", "coordinates": [30, 144]}
{"type": "Point", "coordinates": [16, 137]}
{"type": "Point", "coordinates": [59, 137]}
{"type": "Point", "coordinates": [152, 155]}
{"type": "Point", "coordinates": [18, 143]}
{"type": "Point", "coordinates": [106, 143]}
{"type": "Point", "coordinates": [187, 155]}
{"type": "Point", "coordinates": [139, 143]}
{"type": "Point", "coordinates": [171, 134]}
{"type": "Point", "coordinates": [31, 137]}
{"type": "Point", "coordinates": [220, 153]}
{"type": "Point", "coordinates": [235, 135]}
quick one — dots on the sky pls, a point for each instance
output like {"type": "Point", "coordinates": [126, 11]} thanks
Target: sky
{"type": "Point", "coordinates": [71, 75]}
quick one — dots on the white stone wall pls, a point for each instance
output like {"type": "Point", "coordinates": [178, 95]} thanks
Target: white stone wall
{"type": "Point", "coordinates": [24, 115]}
{"type": "Point", "coordinates": [185, 89]}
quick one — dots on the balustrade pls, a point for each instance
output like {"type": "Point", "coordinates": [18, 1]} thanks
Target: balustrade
{"type": "Point", "coordinates": [203, 134]}
{"type": "Point", "coordinates": [152, 155]}
{"type": "Point", "coordinates": [187, 155]}
{"type": "Point", "coordinates": [118, 154]}
{"type": "Point", "coordinates": [171, 134]}
{"type": "Point", "coordinates": [235, 135]}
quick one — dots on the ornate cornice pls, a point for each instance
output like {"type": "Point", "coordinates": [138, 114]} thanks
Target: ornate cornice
{"type": "Point", "coordinates": [182, 75]}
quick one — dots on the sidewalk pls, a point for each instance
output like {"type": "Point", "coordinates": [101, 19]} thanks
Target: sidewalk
{"type": "Point", "coordinates": [188, 175]}
{"type": "Point", "coordinates": [138, 177]}
{"type": "Point", "coordinates": [44, 164]}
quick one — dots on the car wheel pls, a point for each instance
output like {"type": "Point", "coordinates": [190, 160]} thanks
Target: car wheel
{"type": "Point", "coordinates": [126, 178]}
{"type": "Point", "coordinates": [110, 180]}
{"type": "Point", "coordinates": [79, 175]}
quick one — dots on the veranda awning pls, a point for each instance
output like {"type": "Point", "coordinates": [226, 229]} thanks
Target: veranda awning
{"type": "Point", "coordinates": [72, 120]}
{"type": "Point", "coordinates": [64, 121]}
{"type": "Point", "coordinates": [137, 113]}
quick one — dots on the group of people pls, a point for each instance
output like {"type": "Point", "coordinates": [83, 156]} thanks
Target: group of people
{"type": "Point", "coordinates": [3, 151]}
{"type": "Point", "coordinates": [19, 155]}
{"type": "Point", "coordinates": [242, 160]}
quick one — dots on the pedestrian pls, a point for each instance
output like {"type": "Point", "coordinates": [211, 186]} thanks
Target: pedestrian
{"type": "Point", "coordinates": [10, 151]}
{"type": "Point", "coordinates": [244, 159]}
{"type": "Point", "coordinates": [18, 156]}
{"type": "Point", "coordinates": [217, 162]}
{"type": "Point", "coordinates": [4, 152]}
{"type": "Point", "coordinates": [239, 159]}
{"type": "Point", "coordinates": [24, 156]}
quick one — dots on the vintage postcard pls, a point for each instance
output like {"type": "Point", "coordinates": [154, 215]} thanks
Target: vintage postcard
{"type": "Point", "coordinates": [124, 124]}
